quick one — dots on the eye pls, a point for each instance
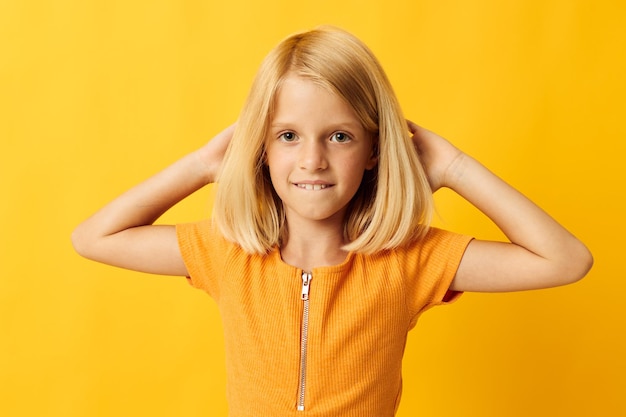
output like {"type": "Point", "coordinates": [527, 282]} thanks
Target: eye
{"type": "Point", "coordinates": [340, 137]}
{"type": "Point", "coordinates": [287, 137]}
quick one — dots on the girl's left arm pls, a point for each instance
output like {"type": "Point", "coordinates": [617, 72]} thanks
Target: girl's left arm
{"type": "Point", "coordinates": [541, 253]}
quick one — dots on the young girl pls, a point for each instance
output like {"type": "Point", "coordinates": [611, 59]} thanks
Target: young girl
{"type": "Point", "coordinates": [319, 254]}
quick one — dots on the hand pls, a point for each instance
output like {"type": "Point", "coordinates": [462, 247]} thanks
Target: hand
{"type": "Point", "coordinates": [212, 154]}
{"type": "Point", "coordinates": [438, 156]}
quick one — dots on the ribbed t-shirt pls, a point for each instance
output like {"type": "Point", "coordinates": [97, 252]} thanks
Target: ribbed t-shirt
{"type": "Point", "coordinates": [359, 314]}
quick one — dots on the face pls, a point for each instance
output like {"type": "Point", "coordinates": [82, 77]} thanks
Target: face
{"type": "Point", "coordinates": [317, 151]}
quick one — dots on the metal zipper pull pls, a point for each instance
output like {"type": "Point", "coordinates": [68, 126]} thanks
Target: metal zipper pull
{"type": "Point", "coordinates": [306, 280]}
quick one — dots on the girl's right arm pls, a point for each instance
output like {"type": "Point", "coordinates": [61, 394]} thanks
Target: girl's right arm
{"type": "Point", "coordinates": [122, 232]}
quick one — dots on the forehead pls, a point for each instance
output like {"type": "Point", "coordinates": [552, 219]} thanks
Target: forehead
{"type": "Point", "coordinates": [300, 99]}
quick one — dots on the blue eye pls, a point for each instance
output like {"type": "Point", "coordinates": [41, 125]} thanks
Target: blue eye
{"type": "Point", "coordinates": [288, 136]}
{"type": "Point", "coordinates": [340, 137]}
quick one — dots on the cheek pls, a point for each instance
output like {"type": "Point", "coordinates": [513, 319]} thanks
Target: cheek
{"type": "Point", "coordinates": [354, 174]}
{"type": "Point", "coordinates": [277, 173]}
{"type": "Point", "coordinates": [270, 161]}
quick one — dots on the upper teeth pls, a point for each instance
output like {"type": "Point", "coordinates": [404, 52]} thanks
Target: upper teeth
{"type": "Point", "coordinates": [312, 186]}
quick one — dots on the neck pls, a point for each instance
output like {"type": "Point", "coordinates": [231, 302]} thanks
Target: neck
{"type": "Point", "coordinates": [311, 247]}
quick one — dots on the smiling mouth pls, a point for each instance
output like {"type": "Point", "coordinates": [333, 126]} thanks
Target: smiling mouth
{"type": "Point", "coordinates": [313, 187]}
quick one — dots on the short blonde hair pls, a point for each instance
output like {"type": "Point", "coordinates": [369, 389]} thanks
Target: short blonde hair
{"type": "Point", "coordinates": [393, 205]}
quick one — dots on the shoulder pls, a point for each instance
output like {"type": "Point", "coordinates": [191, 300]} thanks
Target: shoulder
{"type": "Point", "coordinates": [203, 246]}
{"type": "Point", "coordinates": [437, 245]}
{"type": "Point", "coordinates": [204, 251]}
{"type": "Point", "coordinates": [432, 260]}
{"type": "Point", "coordinates": [428, 267]}
{"type": "Point", "coordinates": [204, 237]}
{"type": "Point", "coordinates": [438, 252]}
{"type": "Point", "coordinates": [200, 236]}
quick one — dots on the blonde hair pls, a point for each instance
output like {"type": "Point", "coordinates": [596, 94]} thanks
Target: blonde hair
{"type": "Point", "coordinates": [393, 205]}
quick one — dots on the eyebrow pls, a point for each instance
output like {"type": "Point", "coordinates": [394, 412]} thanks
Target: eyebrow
{"type": "Point", "coordinates": [333, 125]}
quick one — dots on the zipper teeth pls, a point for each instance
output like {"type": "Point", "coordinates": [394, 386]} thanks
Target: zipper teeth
{"type": "Point", "coordinates": [306, 281]}
{"type": "Point", "coordinates": [303, 352]}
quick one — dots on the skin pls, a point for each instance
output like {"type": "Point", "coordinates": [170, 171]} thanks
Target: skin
{"type": "Point", "coordinates": [541, 253]}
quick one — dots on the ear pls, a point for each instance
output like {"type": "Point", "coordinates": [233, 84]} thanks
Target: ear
{"type": "Point", "coordinates": [373, 159]}
{"type": "Point", "coordinates": [371, 163]}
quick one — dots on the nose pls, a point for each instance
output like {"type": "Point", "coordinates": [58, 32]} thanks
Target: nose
{"type": "Point", "coordinates": [313, 155]}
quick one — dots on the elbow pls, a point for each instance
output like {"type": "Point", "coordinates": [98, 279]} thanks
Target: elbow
{"type": "Point", "coordinates": [579, 264]}
{"type": "Point", "coordinates": [77, 242]}
{"type": "Point", "coordinates": [587, 263]}
{"type": "Point", "coordinates": [80, 242]}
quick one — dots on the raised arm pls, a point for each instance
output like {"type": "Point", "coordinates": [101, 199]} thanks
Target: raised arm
{"type": "Point", "coordinates": [541, 253]}
{"type": "Point", "coordinates": [122, 232]}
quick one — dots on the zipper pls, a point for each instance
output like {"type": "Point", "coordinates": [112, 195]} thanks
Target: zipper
{"type": "Point", "coordinates": [304, 337]}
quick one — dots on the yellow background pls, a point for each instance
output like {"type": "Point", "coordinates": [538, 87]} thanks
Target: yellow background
{"type": "Point", "coordinates": [97, 95]}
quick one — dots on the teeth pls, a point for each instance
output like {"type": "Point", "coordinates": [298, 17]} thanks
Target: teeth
{"type": "Point", "coordinates": [312, 187]}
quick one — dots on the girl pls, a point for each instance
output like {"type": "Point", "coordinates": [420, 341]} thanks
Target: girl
{"type": "Point", "coordinates": [319, 254]}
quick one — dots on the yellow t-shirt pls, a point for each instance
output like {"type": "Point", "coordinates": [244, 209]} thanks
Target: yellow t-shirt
{"type": "Point", "coordinates": [359, 314]}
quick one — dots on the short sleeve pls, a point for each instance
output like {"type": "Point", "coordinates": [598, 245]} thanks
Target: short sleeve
{"type": "Point", "coordinates": [202, 248]}
{"type": "Point", "coordinates": [429, 267]}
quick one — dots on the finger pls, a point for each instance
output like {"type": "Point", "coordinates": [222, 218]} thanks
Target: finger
{"type": "Point", "coordinates": [412, 126]}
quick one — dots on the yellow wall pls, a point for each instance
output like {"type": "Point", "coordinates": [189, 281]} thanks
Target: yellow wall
{"type": "Point", "coordinates": [97, 95]}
